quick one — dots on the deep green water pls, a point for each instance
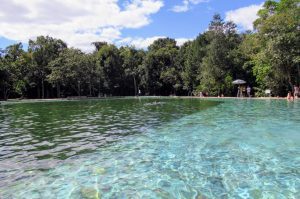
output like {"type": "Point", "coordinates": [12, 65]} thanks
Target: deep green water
{"type": "Point", "coordinates": [150, 148]}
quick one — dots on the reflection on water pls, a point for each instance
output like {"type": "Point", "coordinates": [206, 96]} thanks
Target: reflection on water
{"type": "Point", "coordinates": [39, 135]}
{"type": "Point", "coordinates": [150, 148]}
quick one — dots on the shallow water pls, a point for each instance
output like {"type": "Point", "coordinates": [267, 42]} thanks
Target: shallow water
{"type": "Point", "coordinates": [150, 148]}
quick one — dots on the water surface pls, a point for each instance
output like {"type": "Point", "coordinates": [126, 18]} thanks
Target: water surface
{"type": "Point", "coordinates": [150, 148]}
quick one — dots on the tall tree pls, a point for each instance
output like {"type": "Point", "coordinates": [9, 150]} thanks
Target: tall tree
{"type": "Point", "coordinates": [70, 69]}
{"type": "Point", "coordinates": [217, 69]}
{"type": "Point", "coordinates": [43, 51]}
{"type": "Point", "coordinates": [160, 59]}
{"type": "Point", "coordinates": [13, 69]}
{"type": "Point", "coordinates": [109, 67]}
{"type": "Point", "coordinates": [193, 53]}
{"type": "Point", "coordinates": [266, 58]}
{"type": "Point", "coordinates": [132, 60]}
{"type": "Point", "coordinates": [278, 32]}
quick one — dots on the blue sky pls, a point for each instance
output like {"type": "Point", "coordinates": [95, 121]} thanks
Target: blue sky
{"type": "Point", "coordinates": [190, 23]}
{"type": "Point", "coordinates": [134, 22]}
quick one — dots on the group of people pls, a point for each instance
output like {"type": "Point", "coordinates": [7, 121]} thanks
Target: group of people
{"type": "Point", "coordinates": [246, 91]}
{"type": "Point", "coordinates": [295, 94]}
{"type": "Point", "coordinates": [242, 89]}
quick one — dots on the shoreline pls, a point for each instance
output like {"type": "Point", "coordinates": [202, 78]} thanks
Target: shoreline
{"type": "Point", "coordinates": [122, 97]}
{"type": "Point", "coordinates": [241, 98]}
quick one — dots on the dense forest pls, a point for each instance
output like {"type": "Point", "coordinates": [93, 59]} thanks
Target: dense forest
{"type": "Point", "coordinates": [267, 58]}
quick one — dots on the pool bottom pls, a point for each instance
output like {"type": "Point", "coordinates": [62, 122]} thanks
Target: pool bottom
{"type": "Point", "coordinates": [234, 150]}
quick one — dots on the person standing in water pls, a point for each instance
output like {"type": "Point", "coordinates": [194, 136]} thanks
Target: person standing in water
{"type": "Point", "coordinates": [289, 96]}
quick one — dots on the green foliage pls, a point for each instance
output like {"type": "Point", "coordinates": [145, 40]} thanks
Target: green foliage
{"type": "Point", "coordinates": [157, 67]}
{"type": "Point", "coordinates": [70, 69]}
{"type": "Point", "coordinates": [220, 64]}
{"type": "Point", "coordinates": [276, 63]}
{"type": "Point", "coordinates": [43, 50]}
{"type": "Point", "coordinates": [108, 62]}
{"type": "Point", "coordinates": [267, 59]}
{"type": "Point", "coordinates": [132, 60]}
{"type": "Point", "coordinates": [12, 70]}
{"type": "Point", "coordinates": [193, 53]}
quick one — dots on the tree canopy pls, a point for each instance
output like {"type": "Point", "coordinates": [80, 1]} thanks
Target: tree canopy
{"type": "Point", "coordinates": [267, 58]}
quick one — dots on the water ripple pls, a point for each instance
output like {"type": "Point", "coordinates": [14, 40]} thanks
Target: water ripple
{"type": "Point", "coordinates": [147, 149]}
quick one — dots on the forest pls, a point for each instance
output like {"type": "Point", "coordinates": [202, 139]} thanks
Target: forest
{"type": "Point", "coordinates": [267, 58]}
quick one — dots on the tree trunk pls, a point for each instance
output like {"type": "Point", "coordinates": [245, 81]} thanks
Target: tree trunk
{"type": "Point", "coordinates": [3, 91]}
{"type": "Point", "coordinates": [290, 82]}
{"type": "Point", "coordinates": [6, 94]}
{"type": "Point", "coordinates": [93, 91]}
{"type": "Point", "coordinates": [38, 92]}
{"type": "Point", "coordinates": [99, 93]}
{"type": "Point", "coordinates": [79, 89]}
{"type": "Point", "coordinates": [58, 90]}
{"type": "Point", "coordinates": [90, 87]}
{"type": "Point", "coordinates": [43, 89]}
{"type": "Point", "coordinates": [135, 89]}
{"type": "Point", "coordinates": [298, 79]}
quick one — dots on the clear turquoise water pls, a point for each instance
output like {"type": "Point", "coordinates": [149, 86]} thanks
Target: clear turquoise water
{"type": "Point", "coordinates": [150, 148]}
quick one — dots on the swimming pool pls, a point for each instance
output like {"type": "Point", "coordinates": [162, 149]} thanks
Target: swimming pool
{"type": "Point", "coordinates": [150, 148]}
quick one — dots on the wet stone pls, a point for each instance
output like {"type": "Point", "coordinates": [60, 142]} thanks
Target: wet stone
{"type": "Point", "coordinates": [201, 196]}
{"type": "Point", "coordinates": [99, 171]}
{"type": "Point", "coordinates": [89, 193]}
{"type": "Point", "coordinates": [256, 194]}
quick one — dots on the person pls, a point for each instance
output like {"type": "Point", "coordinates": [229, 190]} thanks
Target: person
{"type": "Point", "coordinates": [289, 96]}
{"type": "Point", "coordinates": [239, 90]}
{"type": "Point", "coordinates": [296, 91]}
{"type": "Point", "coordinates": [243, 90]}
{"type": "Point", "coordinates": [248, 91]}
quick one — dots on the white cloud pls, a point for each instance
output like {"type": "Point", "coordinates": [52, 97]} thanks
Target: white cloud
{"type": "Point", "coordinates": [78, 22]}
{"type": "Point", "coordinates": [244, 17]}
{"type": "Point", "coordinates": [181, 41]}
{"type": "Point", "coordinates": [181, 8]}
{"type": "Point", "coordinates": [139, 42]}
{"type": "Point", "coordinates": [186, 5]}
{"type": "Point", "coordinates": [143, 43]}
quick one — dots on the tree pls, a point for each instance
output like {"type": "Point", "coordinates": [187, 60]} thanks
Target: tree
{"type": "Point", "coordinates": [160, 58]}
{"type": "Point", "coordinates": [193, 53]}
{"type": "Point", "coordinates": [99, 44]}
{"type": "Point", "coordinates": [43, 51]}
{"type": "Point", "coordinates": [70, 69]}
{"type": "Point", "coordinates": [109, 68]}
{"type": "Point", "coordinates": [278, 32]}
{"type": "Point", "coordinates": [132, 60]}
{"type": "Point", "coordinates": [218, 68]}
{"type": "Point", "coordinates": [266, 58]}
{"type": "Point", "coordinates": [13, 69]}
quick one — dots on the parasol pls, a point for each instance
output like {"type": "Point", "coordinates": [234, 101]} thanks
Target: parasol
{"type": "Point", "coordinates": [239, 81]}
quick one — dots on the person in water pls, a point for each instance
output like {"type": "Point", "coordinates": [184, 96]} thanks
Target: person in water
{"type": "Point", "coordinates": [289, 96]}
